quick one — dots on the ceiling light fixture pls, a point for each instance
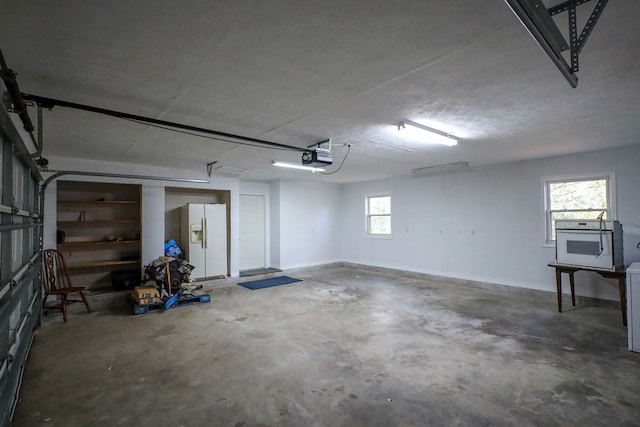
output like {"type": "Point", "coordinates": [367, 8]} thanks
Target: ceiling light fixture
{"type": "Point", "coordinates": [296, 166]}
{"type": "Point", "coordinates": [441, 169]}
{"type": "Point", "coordinates": [427, 134]}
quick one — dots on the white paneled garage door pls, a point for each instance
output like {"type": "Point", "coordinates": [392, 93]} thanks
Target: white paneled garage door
{"type": "Point", "coordinates": [20, 265]}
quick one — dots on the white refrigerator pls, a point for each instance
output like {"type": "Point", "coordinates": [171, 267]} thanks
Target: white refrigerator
{"type": "Point", "coordinates": [203, 234]}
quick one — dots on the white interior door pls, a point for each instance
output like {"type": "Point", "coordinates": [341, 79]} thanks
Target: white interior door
{"type": "Point", "coordinates": [252, 232]}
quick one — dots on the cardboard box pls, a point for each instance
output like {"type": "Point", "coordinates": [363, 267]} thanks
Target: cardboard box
{"type": "Point", "coordinates": [146, 301]}
{"type": "Point", "coordinates": [145, 294]}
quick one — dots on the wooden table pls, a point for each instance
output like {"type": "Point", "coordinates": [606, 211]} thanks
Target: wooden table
{"type": "Point", "coordinates": [619, 274]}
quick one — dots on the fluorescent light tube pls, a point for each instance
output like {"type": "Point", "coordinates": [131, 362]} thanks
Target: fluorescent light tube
{"type": "Point", "coordinates": [424, 133]}
{"type": "Point", "coordinates": [296, 166]}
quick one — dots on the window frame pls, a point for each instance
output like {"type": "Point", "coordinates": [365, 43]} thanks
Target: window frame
{"type": "Point", "coordinates": [367, 219]}
{"type": "Point", "coordinates": [546, 181]}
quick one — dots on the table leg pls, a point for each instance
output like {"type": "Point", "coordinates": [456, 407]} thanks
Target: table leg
{"type": "Point", "coordinates": [573, 289]}
{"type": "Point", "coordinates": [623, 300]}
{"type": "Point", "coordinates": [559, 288]}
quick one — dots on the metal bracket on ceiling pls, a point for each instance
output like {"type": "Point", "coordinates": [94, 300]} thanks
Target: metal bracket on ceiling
{"type": "Point", "coordinates": [6, 102]}
{"type": "Point", "coordinates": [538, 20]}
{"type": "Point", "coordinates": [318, 144]}
{"type": "Point", "coordinates": [9, 106]}
{"type": "Point", "coordinates": [210, 167]}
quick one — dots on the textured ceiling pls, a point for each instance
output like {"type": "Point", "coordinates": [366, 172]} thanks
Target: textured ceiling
{"type": "Point", "coordinates": [299, 72]}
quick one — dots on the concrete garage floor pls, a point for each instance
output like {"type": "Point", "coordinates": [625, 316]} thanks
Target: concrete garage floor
{"type": "Point", "coordinates": [345, 347]}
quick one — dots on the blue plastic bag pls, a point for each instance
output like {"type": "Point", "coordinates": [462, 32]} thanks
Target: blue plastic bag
{"type": "Point", "coordinates": [172, 249]}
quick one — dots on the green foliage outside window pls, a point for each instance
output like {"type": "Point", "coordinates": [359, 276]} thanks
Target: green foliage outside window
{"type": "Point", "coordinates": [379, 215]}
{"type": "Point", "coordinates": [585, 199]}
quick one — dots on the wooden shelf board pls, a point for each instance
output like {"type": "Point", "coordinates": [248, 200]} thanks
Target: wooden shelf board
{"type": "Point", "coordinates": [97, 223]}
{"type": "Point", "coordinates": [97, 243]}
{"type": "Point", "coordinates": [98, 264]}
{"type": "Point", "coordinates": [99, 202]}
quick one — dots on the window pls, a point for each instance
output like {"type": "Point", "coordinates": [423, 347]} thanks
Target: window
{"type": "Point", "coordinates": [576, 198]}
{"type": "Point", "coordinates": [378, 215]}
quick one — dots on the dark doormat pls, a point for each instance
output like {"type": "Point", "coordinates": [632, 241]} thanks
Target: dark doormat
{"type": "Point", "coordinates": [267, 283]}
{"type": "Point", "coordinates": [256, 271]}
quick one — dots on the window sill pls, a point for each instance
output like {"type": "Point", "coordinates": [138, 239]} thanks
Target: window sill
{"type": "Point", "coordinates": [378, 236]}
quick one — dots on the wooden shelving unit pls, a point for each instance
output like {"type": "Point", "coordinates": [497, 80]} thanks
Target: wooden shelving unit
{"type": "Point", "coordinates": [101, 226]}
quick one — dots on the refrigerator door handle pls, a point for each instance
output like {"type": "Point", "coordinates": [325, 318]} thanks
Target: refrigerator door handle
{"type": "Point", "coordinates": [205, 243]}
{"type": "Point", "coordinates": [203, 236]}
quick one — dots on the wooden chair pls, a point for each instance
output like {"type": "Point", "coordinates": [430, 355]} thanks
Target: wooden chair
{"type": "Point", "coordinates": [56, 282]}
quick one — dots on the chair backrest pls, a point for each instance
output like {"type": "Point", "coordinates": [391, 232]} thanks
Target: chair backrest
{"type": "Point", "coordinates": [55, 271]}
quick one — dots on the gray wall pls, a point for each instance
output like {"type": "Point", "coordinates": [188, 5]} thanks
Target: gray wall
{"type": "Point", "coordinates": [484, 225]}
{"type": "Point", "coordinates": [307, 225]}
{"type": "Point", "coordinates": [487, 224]}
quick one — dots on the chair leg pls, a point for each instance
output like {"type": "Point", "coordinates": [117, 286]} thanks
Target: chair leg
{"type": "Point", "coordinates": [86, 302]}
{"type": "Point", "coordinates": [64, 308]}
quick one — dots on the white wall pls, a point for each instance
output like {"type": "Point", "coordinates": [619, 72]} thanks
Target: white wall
{"type": "Point", "coordinates": [274, 226]}
{"type": "Point", "coordinates": [487, 224]}
{"type": "Point", "coordinates": [152, 223]}
{"type": "Point", "coordinates": [308, 223]}
{"type": "Point", "coordinates": [153, 195]}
